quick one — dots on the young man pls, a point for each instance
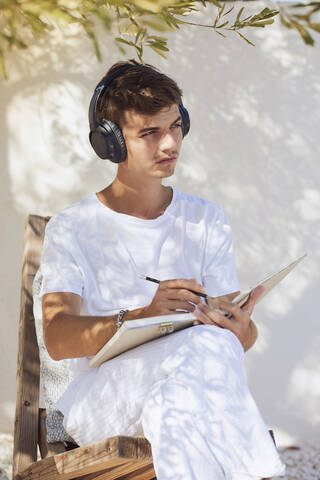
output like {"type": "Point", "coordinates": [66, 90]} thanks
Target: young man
{"type": "Point", "coordinates": [186, 391]}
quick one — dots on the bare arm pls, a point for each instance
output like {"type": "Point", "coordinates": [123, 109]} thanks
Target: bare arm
{"type": "Point", "coordinates": [67, 334]}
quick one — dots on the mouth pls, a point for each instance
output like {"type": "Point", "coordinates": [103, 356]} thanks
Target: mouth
{"type": "Point", "coordinates": [167, 160]}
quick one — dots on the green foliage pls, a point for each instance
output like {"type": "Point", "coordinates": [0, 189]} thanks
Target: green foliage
{"type": "Point", "coordinates": [134, 23]}
{"type": "Point", "coordinates": [300, 17]}
{"type": "Point", "coordinates": [260, 19]}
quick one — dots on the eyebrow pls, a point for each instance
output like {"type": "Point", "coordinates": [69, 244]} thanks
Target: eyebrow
{"type": "Point", "coordinates": [143, 130]}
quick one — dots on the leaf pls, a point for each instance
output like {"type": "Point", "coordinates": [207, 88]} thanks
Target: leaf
{"type": "Point", "coordinates": [262, 23]}
{"type": "Point", "coordinates": [121, 40]}
{"type": "Point", "coordinates": [220, 33]}
{"type": "Point", "coordinates": [222, 25]}
{"type": "Point", "coordinates": [221, 10]}
{"type": "Point", "coordinates": [149, 5]}
{"type": "Point", "coordinates": [159, 45]}
{"type": "Point", "coordinates": [230, 10]}
{"type": "Point", "coordinates": [130, 28]}
{"type": "Point", "coordinates": [59, 15]}
{"type": "Point", "coordinates": [17, 42]}
{"type": "Point", "coordinates": [171, 20]}
{"type": "Point", "coordinates": [156, 37]}
{"type": "Point", "coordinates": [310, 4]}
{"type": "Point", "coordinates": [301, 17]}
{"type": "Point", "coordinates": [92, 37]}
{"type": "Point", "coordinates": [305, 35]}
{"type": "Point", "coordinates": [264, 14]}
{"type": "Point", "coordinates": [156, 49]}
{"type": "Point", "coordinates": [285, 22]}
{"type": "Point", "coordinates": [314, 26]}
{"type": "Point", "coordinates": [185, 6]}
{"type": "Point", "coordinates": [239, 14]}
{"type": "Point", "coordinates": [141, 33]}
{"type": "Point", "coordinates": [244, 38]}
{"type": "Point", "coordinates": [104, 17]}
{"type": "Point", "coordinates": [217, 3]}
{"type": "Point", "coordinates": [157, 24]}
{"type": "Point", "coordinates": [3, 70]}
{"type": "Point", "coordinates": [37, 25]}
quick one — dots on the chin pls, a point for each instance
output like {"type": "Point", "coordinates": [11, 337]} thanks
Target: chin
{"type": "Point", "coordinates": [166, 171]}
{"type": "Point", "coordinates": [166, 174]}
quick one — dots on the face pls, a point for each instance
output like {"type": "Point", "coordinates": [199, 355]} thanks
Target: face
{"type": "Point", "coordinates": [153, 142]}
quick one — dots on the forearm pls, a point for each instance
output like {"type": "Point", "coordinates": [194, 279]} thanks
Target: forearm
{"type": "Point", "coordinates": [74, 336]}
{"type": "Point", "coordinates": [252, 337]}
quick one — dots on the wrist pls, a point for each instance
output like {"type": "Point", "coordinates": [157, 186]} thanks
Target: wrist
{"type": "Point", "coordinates": [120, 318]}
{"type": "Point", "coordinates": [252, 336]}
{"type": "Point", "coordinates": [142, 312]}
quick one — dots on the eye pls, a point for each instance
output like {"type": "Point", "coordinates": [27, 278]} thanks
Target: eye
{"type": "Point", "coordinates": [148, 133]}
{"type": "Point", "coordinates": [177, 125]}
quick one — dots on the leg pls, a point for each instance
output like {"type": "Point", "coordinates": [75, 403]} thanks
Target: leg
{"type": "Point", "coordinates": [179, 450]}
{"type": "Point", "coordinates": [205, 397]}
{"type": "Point", "coordinates": [207, 361]}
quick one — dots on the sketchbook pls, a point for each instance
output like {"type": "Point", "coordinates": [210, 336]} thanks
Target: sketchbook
{"type": "Point", "coordinates": [133, 333]}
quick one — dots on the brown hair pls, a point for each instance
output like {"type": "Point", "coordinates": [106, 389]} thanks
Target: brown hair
{"type": "Point", "coordinates": [141, 88]}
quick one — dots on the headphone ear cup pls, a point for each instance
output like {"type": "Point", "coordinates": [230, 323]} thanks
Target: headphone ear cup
{"type": "Point", "coordinates": [108, 142]}
{"type": "Point", "coordinates": [185, 120]}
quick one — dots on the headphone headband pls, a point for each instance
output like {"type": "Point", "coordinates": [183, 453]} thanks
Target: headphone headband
{"type": "Point", "coordinates": [100, 89]}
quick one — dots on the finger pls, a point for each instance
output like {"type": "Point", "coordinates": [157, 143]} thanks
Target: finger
{"type": "Point", "coordinates": [183, 295]}
{"type": "Point", "coordinates": [174, 305]}
{"type": "Point", "coordinates": [188, 284]}
{"type": "Point", "coordinates": [232, 309]}
{"type": "Point", "coordinates": [236, 319]}
{"type": "Point", "coordinates": [212, 302]}
{"type": "Point", "coordinates": [203, 317]}
{"type": "Point", "coordinates": [253, 298]}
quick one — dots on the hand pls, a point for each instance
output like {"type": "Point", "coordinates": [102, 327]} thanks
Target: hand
{"type": "Point", "coordinates": [240, 317]}
{"type": "Point", "coordinates": [175, 294]}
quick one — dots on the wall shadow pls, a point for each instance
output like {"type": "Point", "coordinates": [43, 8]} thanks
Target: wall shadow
{"type": "Point", "coordinates": [253, 148]}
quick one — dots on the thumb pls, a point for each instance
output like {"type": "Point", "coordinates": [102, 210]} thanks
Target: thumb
{"type": "Point", "coordinates": [253, 298]}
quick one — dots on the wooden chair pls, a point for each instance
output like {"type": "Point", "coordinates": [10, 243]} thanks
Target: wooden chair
{"type": "Point", "coordinates": [114, 458]}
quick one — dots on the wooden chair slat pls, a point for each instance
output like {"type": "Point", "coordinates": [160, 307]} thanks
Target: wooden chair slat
{"type": "Point", "coordinates": [119, 455]}
{"type": "Point", "coordinates": [27, 405]}
{"type": "Point", "coordinates": [143, 473]}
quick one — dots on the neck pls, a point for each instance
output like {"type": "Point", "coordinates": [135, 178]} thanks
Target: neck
{"type": "Point", "coordinates": [147, 201]}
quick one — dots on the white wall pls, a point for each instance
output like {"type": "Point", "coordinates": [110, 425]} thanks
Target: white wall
{"type": "Point", "coordinates": [253, 148]}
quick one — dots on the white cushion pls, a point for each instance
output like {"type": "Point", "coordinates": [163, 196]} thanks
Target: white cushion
{"type": "Point", "coordinates": [54, 377]}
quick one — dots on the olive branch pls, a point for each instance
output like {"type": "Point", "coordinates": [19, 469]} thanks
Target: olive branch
{"type": "Point", "coordinates": [137, 24]}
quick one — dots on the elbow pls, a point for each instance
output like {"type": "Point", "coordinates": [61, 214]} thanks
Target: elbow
{"type": "Point", "coordinates": [51, 341]}
{"type": "Point", "coordinates": [52, 349]}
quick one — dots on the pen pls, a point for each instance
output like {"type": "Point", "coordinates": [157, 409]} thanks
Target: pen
{"type": "Point", "coordinates": [154, 280]}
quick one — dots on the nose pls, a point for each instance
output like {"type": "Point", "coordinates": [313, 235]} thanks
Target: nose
{"type": "Point", "coordinates": [169, 140]}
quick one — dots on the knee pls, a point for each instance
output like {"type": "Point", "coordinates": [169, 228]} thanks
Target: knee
{"type": "Point", "coordinates": [214, 339]}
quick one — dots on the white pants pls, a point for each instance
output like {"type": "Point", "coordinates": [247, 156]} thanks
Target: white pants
{"type": "Point", "coordinates": [188, 392]}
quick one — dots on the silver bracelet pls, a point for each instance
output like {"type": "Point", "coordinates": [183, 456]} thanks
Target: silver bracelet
{"type": "Point", "coordinates": [120, 316]}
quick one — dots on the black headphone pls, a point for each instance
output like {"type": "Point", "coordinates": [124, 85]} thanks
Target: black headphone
{"type": "Point", "coordinates": [105, 136]}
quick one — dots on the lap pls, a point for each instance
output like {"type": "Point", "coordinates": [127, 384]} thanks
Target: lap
{"type": "Point", "coordinates": [114, 393]}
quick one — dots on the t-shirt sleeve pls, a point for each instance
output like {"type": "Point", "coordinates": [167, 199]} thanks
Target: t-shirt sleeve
{"type": "Point", "coordinates": [219, 273]}
{"type": "Point", "coordinates": [59, 267]}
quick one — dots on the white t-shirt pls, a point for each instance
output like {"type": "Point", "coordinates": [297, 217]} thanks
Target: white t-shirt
{"type": "Point", "coordinates": [98, 254]}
